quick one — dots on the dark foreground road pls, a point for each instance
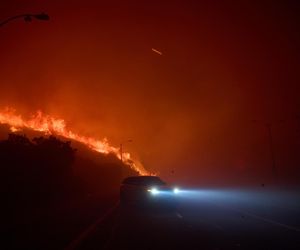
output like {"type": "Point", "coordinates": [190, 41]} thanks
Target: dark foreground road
{"type": "Point", "coordinates": [208, 219]}
{"type": "Point", "coordinates": [50, 226]}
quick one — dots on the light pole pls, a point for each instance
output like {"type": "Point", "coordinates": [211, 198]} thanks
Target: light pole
{"type": "Point", "coordinates": [121, 148]}
{"type": "Point", "coordinates": [121, 155]}
{"type": "Point", "coordinates": [27, 18]}
{"type": "Point", "coordinates": [269, 129]}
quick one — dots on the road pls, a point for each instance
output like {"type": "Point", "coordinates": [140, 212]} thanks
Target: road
{"type": "Point", "coordinates": [51, 225]}
{"type": "Point", "coordinates": [209, 219]}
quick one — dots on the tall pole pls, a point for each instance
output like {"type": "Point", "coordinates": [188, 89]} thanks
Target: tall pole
{"type": "Point", "coordinates": [121, 155]}
{"type": "Point", "coordinates": [121, 149]}
{"type": "Point", "coordinates": [269, 128]}
{"type": "Point", "coordinates": [121, 152]}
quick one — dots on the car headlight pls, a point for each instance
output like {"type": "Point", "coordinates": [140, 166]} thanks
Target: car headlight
{"type": "Point", "coordinates": [175, 190]}
{"type": "Point", "coordinates": [153, 191]}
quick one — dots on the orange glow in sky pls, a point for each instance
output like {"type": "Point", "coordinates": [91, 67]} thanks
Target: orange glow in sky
{"type": "Point", "coordinates": [184, 79]}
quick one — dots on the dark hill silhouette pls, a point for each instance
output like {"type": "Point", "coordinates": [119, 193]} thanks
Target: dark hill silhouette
{"type": "Point", "coordinates": [46, 167]}
{"type": "Point", "coordinates": [44, 161]}
{"type": "Point", "coordinates": [48, 185]}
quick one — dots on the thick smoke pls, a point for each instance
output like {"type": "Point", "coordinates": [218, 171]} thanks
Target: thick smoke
{"type": "Point", "coordinates": [188, 111]}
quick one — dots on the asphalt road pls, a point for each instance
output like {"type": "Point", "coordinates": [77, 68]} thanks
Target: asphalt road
{"type": "Point", "coordinates": [206, 219]}
{"type": "Point", "coordinates": [50, 226]}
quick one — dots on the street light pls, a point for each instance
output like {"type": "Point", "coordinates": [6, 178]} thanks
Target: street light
{"type": "Point", "coordinates": [121, 148]}
{"type": "Point", "coordinates": [27, 18]}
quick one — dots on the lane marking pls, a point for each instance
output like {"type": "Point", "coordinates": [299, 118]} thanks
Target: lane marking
{"type": "Point", "coordinates": [179, 215]}
{"type": "Point", "coordinates": [76, 242]}
{"type": "Point", "coordinates": [272, 221]}
{"type": "Point", "coordinates": [112, 232]}
{"type": "Point", "coordinates": [260, 218]}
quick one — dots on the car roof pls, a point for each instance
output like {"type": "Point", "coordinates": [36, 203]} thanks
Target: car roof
{"type": "Point", "coordinates": [143, 180]}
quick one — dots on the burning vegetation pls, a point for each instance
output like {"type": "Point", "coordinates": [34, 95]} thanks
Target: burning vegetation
{"type": "Point", "coordinates": [54, 126]}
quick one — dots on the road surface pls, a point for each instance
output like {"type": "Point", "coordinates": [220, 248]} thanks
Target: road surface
{"type": "Point", "coordinates": [206, 220]}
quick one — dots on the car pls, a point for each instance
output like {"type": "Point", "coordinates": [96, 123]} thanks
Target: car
{"type": "Point", "coordinates": [149, 192]}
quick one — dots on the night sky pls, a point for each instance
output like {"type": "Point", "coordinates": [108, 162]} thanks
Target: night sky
{"type": "Point", "coordinates": [189, 111]}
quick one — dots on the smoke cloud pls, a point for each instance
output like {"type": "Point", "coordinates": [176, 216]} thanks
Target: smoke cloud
{"type": "Point", "coordinates": [189, 111]}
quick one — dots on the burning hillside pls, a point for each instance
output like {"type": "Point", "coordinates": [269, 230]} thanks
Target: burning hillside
{"type": "Point", "coordinates": [54, 126]}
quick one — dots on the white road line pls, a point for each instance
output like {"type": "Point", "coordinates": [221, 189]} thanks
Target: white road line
{"type": "Point", "coordinates": [75, 243]}
{"type": "Point", "coordinates": [271, 221]}
{"type": "Point", "coordinates": [179, 215]}
{"type": "Point", "coordinates": [112, 233]}
{"type": "Point", "coordinates": [261, 218]}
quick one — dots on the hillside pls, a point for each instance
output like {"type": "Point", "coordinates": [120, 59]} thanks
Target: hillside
{"type": "Point", "coordinates": [46, 179]}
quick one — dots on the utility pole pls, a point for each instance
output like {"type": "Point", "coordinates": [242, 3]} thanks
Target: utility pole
{"type": "Point", "coordinates": [271, 146]}
{"type": "Point", "coordinates": [121, 149]}
{"type": "Point", "coordinates": [269, 128]}
{"type": "Point", "coordinates": [121, 156]}
{"type": "Point", "coordinates": [121, 152]}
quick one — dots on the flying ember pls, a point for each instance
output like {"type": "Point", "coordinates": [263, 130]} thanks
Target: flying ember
{"type": "Point", "coordinates": [50, 125]}
{"type": "Point", "coordinates": [157, 51]}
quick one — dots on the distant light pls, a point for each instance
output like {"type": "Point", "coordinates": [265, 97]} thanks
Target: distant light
{"type": "Point", "coordinates": [176, 190]}
{"type": "Point", "coordinates": [157, 51]}
{"type": "Point", "coordinates": [153, 191]}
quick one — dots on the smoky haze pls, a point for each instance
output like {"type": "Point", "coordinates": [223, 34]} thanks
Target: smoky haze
{"type": "Point", "coordinates": [189, 111]}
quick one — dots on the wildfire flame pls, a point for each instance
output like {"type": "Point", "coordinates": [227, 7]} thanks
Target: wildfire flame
{"type": "Point", "coordinates": [50, 125]}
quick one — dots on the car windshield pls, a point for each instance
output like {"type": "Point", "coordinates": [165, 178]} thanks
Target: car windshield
{"type": "Point", "coordinates": [144, 181]}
